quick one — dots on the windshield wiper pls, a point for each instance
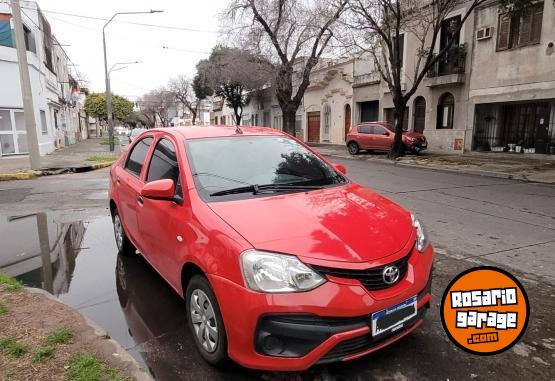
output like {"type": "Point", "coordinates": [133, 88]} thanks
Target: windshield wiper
{"type": "Point", "coordinates": [256, 189]}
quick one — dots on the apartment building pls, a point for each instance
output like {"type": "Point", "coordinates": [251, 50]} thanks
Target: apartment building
{"type": "Point", "coordinates": [56, 93]}
{"type": "Point", "coordinates": [494, 92]}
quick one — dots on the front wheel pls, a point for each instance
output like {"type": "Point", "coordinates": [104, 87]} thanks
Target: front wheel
{"type": "Point", "coordinates": [125, 247]}
{"type": "Point", "coordinates": [206, 322]}
{"type": "Point", "coordinates": [353, 148]}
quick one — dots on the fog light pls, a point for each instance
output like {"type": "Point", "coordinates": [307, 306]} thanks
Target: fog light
{"type": "Point", "coordinates": [273, 345]}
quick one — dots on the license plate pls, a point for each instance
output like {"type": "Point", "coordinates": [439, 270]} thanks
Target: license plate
{"type": "Point", "coordinates": [393, 318]}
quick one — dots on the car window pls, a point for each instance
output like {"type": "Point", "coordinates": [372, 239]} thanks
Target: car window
{"type": "Point", "coordinates": [378, 130]}
{"type": "Point", "coordinates": [164, 165]}
{"type": "Point", "coordinates": [137, 156]}
{"type": "Point", "coordinates": [365, 129]}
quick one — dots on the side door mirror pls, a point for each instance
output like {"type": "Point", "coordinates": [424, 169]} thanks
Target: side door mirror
{"type": "Point", "coordinates": [162, 190]}
{"type": "Point", "coordinates": [340, 168]}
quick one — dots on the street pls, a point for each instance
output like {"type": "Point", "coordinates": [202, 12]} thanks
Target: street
{"type": "Point", "coordinates": [472, 221]}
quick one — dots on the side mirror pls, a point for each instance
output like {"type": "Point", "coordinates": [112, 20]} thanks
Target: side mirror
{"type": "Point", "coordinates": [340, 168]}
{"type": "Point", "coordinates": [163, 190]}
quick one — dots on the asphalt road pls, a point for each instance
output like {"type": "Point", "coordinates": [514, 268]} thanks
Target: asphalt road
{"type": "Point", "coordinates": [472, 220]}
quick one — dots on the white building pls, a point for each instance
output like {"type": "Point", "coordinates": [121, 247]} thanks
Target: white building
{"type": "Point", "coordinates": [55, 93]}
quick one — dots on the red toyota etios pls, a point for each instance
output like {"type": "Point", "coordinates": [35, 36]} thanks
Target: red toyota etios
{"type": "Point", "coordinates": [282, 260]}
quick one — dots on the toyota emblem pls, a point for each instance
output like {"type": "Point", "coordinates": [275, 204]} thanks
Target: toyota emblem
{"type": "Point", "coordinates": [391, 274]}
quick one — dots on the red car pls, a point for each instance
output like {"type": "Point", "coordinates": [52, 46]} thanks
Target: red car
{"type": "Point", "coordinates": [283, 261]}
{"type": "Point", "coordinates": [379, 136]}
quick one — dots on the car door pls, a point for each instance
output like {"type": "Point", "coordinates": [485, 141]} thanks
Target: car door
{"type": "Point", "coordinates": [365, 136]}
{"type": "Point", "coordinates": [162, 222]}
{"type": "Point", "coordinates": [381, 138]}
{"type": "Point", "coordinates": [129, 185]}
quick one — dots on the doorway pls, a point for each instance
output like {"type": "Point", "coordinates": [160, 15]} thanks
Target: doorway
{"type": "Point", "coordinates": [313, 127]}
{"type": "Point", "coordinates": [419, 114]}
{"type": "Point", "coordinates": [347, 120]}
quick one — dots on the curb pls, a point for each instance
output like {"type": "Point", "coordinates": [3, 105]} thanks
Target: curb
{"type": "Point", "coordinates": [474, 172]}
{"type": "Point", "coordinates": [133, 367]}
{"type": "Point", "coordinates": [29, 175]}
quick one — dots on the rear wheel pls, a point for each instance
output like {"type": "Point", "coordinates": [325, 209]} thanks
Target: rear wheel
{"type": "Point", "coordinates": [125, 247]}
{"type": "Point", "coordinates": [206, 322]}
{"type": "Point", "coordinates": [353, 148]}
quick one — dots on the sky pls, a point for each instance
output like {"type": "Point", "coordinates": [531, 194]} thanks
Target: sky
{"type": "Point", "coordinates": [130, 43]}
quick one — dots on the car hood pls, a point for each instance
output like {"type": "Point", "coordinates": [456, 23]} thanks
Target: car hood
{"type": "Point", "coordinates": [345, 224]}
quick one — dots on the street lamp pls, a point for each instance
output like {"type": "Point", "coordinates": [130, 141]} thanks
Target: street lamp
{"type": "Point", "coordinates": [116, 68]}
{"type": "Point", "coordinates": [107, 75]}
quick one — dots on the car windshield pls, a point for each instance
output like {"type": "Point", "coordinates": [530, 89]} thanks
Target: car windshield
{"type": "Point", "coordinates": [237, 163]}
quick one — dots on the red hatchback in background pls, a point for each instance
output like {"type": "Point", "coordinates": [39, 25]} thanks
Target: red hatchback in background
{"type": "Point", "coordinates": [283, 261]}
{"type": "Point", "coordinates": [379, 136]}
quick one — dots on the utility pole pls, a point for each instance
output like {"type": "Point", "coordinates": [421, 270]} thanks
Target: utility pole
{"type": "Point", "coordinates": [28, 108]}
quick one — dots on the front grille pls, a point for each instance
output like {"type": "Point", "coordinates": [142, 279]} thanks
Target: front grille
{"type": "Point", "coordinates": [371, 278]}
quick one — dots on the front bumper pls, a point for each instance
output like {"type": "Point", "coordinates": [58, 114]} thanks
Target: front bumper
{"type": "Point", "coordinates": [292, 332]}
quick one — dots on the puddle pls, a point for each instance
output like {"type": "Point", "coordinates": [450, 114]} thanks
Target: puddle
{"type": "Point", "coordinates": [78, 262]}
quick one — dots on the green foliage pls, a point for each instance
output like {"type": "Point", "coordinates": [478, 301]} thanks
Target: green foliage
{"type": "Point", "coordinates": [86, 367]}
{"type": "Point", "coordinates": [10, 284]}
{"type": "Point", "coordinates": [3, 309]}
{"type": "Point", "coordinates": [60, 336]}
{"type": "Point", "coordinates": [95, 106]}
{"type": "Point", "coordinates": [12, 347]}
{"type": "Point", "coordinates": [106, 141]}
{"type": "Point", "coordinates": [201, 88]}
{"type": "Point", "coordinates": [101, 159]}
{"type": "Point", "coordinates": [44, 353]}
{"type": "Point", "coordinates": [516, 7]}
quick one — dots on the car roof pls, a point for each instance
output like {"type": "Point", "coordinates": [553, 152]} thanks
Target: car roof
{"type": "Point", "coordinates": [218, 131]}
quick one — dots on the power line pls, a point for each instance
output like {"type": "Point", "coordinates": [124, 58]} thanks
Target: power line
{"type": "Point", "coordinates": [131, 22]}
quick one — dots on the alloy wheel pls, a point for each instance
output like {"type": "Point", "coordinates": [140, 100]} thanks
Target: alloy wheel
{"type": "Point", "coordinates": [204, 320]}
{"type": "Point", "coordinates": [118, 232]}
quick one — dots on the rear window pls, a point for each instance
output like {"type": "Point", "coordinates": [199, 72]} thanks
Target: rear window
{"type": "Point", "coordinates": [137, 156]}
{"type": "Point", "coordinates": [365, 129]}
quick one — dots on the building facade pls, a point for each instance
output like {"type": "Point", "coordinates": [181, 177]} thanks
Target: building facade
{"type": "Point", "coordinates": [56, 95]}
{"type": "Point", "coordinates": [494, 91]}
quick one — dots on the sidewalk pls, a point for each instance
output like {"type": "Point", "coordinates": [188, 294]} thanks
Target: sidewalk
{"type": "Point", "coordinates": [70, 159]}
{"type": "Point", "coordinates": [524, 167]}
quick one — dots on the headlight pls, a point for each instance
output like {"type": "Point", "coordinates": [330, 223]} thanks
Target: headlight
{"type": "Point", "coordinates": [269, 272]}
{"type": "Point", "coordinates": [422, 242]}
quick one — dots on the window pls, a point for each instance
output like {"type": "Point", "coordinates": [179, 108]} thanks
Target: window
{"type": "Point", "coordinates": [6, 35]}
{"type": "Point", "coordinates": [163, 164]}
{"type": "Point", "coordinates": [514, 32]}
{"type": "Point", "coordinates": [137, 156]}
{"type": "Point", "coordinates": [445, 111]}
{"type": "Point", "coordinates": [29, 40]}
{"type": "Point", "coordinates": [380, 131]}
{"type": "Point", "coordinates": [327, 119]}
{"type": "Point", "coordinates": [366, 129]}
{"type": "Point", "coordinates": [43, 125]}
{"type": "Point", "coordinates": [450, 31]}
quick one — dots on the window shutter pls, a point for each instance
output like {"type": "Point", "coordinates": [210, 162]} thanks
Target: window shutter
{"type": "Point", "coordinates": [525, 31]}
{"type": "Point", "coordinates": [503, 33]}
{"type": "Point", "coordinates": [536, 28]}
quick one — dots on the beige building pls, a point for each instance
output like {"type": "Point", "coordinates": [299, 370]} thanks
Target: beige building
{"type": "Point", "coordinates": [495, 90]}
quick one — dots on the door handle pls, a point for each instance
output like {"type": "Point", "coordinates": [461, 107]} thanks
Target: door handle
{"type": "Point", "coordinates": [118, 181]}
{"type": "Point", "coordinates": [140, 200]}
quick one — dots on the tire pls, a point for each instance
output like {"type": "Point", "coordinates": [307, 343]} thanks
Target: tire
{"type": "Point", "coordinates": [353, 148]}
{"type": "Point", "coordinates": [203, 311]}
{"type": "Point", "coordinates": [124, 246]}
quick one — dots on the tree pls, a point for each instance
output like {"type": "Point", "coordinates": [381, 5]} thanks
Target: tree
{"type": "Point", "coordinates": [378, 27]}
{"type": "Point", "coordinates": [95, 106]}
{"type": "Point", "coordinates": [234, 75]}
{"type": "Point", "coordinates": [292, 33]}
{"type": "Point", "coordinates": [138, 119]}
{"type": "Point", "coordinates": [189, 93]}
{"type": "Point", "coordinates": [157, 104]}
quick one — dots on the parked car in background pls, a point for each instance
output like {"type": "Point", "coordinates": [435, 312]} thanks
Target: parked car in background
{"type": "Point", "coordinates": [379, 136]}
{"type": "Point", "coordinates": [134, 133]}
{"type": "Point", "coordinates": [282, 260]}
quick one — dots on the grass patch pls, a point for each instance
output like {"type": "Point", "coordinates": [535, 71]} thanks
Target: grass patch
{"type": "Point", "coordinates": [44, 353]}
{"type": "Point", "coordinates": [12, 347]}
{"type": "Point", "coordinates": [100, 159]}
{"type": "Point", "coordinates": [106, 141]}
{"type": "Point", "coordinates": [86, 367]}
{"type": "Point", "coordinates": [10, 284]}
{"type": "Point", "coordinates": [61, 336]}
{"type": "Point", "coordinates": [3, 309]}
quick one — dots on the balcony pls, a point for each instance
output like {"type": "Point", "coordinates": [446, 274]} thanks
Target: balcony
{"type": "Point", "coordinates": [367, 79]}
{"type": "Point", "coordinates": [448, 70]}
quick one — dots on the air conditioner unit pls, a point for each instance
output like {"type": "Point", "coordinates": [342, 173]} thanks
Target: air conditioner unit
{"type": "Point", "coordinates": [484, 33]}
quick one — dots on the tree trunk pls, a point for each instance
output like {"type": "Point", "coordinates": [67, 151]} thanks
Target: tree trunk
{"type": "Point", "coordinates": [398, 148]}
{"type": "Point", "coordinates": [289, 117]}
{"type": "Point", "coordinates": [194, 122]}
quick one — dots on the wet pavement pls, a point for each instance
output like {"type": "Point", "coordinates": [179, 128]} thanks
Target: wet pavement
{"type": "Point", "coordinates": [48, 242]}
